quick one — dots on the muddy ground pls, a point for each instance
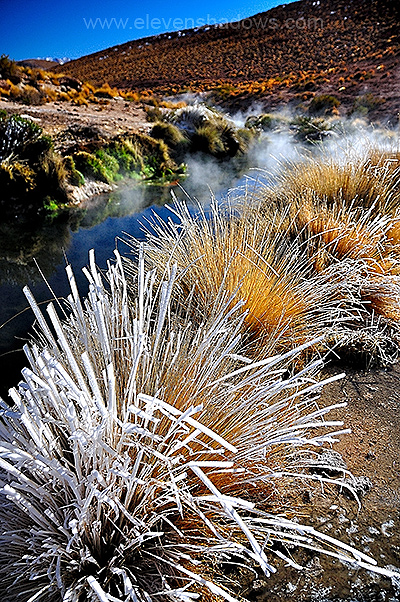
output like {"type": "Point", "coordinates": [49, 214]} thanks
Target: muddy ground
{"type": "Point", "coordinates": [372, 451]}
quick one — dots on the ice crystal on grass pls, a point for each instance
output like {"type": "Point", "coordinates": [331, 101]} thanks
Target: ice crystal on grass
{"type": "Point", "coordinates": [234, 252]}
{"type": "Point", "coordinates": [137, 445]}
{"type": "Point", "coordinates": [301, 270]}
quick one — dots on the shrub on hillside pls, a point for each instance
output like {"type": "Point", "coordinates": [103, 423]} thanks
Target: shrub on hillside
{"type": "Point", "coordinates": [208, 131]}
{"type": "Point", "coordinates": [28, 163]}
{"type": "Point", "coordinates": [262, 122]}
{"type": "Point", "coordinates": [9, 70]}
{"type": "Point", "coordinates": [310, 129]}
{"type": "Point", "coordinates": [74, 177]}
{"type": "Point", "coordinates": [91, 166]}
{"type": "Point", "coordinates": [323, 104]}
{"type": "Point", "coordinates": [362, 105]}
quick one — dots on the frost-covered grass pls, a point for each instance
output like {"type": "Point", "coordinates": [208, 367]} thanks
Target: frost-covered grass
{"type": "Point", "coordinates": [237, 253]}
{"type": "Point", "coordinates": [364, 175]}
{"type": "Point", "coordinates": [301, 269]}
{"type": "Point", "coordinates": [137, 446]}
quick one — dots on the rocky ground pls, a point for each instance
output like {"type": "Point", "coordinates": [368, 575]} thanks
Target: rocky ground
{"type": "Point", "coordinates": [116, 117]}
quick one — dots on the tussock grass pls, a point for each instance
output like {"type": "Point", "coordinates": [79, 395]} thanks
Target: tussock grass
{"type": "Point", "coordinates": [338, 231]}
{"type": "Point", "coordinates": [237, 253]}
{"type": "Point", "coordinates": [129, 458]}
{"type": "Point", "coordinates": [345, 214]}
{"type": "Point", "coordinates": [300, 269]}
{"type": "Point", "coordinates": [369, 178]}
{"type": "Point", "coordinates": [209, 131]}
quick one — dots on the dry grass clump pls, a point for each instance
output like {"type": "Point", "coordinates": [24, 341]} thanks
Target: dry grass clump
{"type": "Point", "coordinates": [336, 233]}
{"type": "Point", "coordinates": [345, 215]}
{"type": "Point", "coordinates": [251, 258]}
{"type": "Point", "coordinates": [136, 445]}
{"type": "Point", "coordinates": [300, 269]}
{"type": "Point", "coordinates": [333, 232]}
{"type": "Point", "coordinates": [370, 179]}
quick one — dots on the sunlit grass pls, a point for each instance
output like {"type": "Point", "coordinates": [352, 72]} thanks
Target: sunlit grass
{"type": "Point", "coordinates": [236, 253]}
{"type": "Point", "coordinates": [137, 444]}
{"type": "Point", "coordinates": [368, 177]}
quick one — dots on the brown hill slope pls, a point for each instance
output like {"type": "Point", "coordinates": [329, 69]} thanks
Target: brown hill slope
{"type": "Point", "coordinates": [38, 63]}
{"type": "Point", "coordinates": [302, 36]}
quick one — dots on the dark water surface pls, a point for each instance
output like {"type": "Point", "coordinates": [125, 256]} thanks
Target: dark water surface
{"type": "Point", "coordinates": [25, 247]}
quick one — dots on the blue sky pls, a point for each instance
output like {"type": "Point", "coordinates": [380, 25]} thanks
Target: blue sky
{"type": "Point", "coordinates": [72, 28]}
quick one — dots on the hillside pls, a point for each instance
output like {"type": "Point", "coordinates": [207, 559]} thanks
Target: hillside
{"type": "Point", "coordinates": [346, 47]}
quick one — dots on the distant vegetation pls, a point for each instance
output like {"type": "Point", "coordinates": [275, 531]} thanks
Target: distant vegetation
{"type": "Point", "coordinates": [292, 52]}
{"type": "Point", "coordinates": [33, 86]}
{"type": "Point", "coordinates": [34, 177]}
{"type": "Point", "coordinates": [31, 173]}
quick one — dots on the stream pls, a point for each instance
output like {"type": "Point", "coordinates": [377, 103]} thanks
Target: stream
{"type": "Point", "coordinates": [28, 249]}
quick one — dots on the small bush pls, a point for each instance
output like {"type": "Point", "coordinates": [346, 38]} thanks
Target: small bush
{"type": "Point", "coordinates": [29, 167]}
{"type": "Point", "coordinates": [50, 94]}
{"type": "Point", "coordinates": [17, 135]}
{"type": "Point", "coordinates": [74, 176]}
{"type": "Point", "coordinates": [153, 114]}
{"type": "Point", "coordinates": [52, 174]}
{"type": "Point", "coordinates": [169, 133]}
{"type": "Point", "coordinates": [128, 156]}
{"type": "Point", "coordinates": [364, 104]}
{"type": "Point", "coordinates": [207, 130]}
{"type": "Point", "coordinates": [207, 139]}
{"type": "Point", "coordinates": [262, 122]}
{"type": "Point", "coordinates": [16, 179]}
{"type": "Point", "coordinates": [9, 70]}
{"type": "Point", "coordinates": [78, 99]}
{"type": "Point", "coordinates": [310, 129]}
{"type": "Point", "coordinates": [32, 96]}
{"type": "Point", "coordinates": [152, 101]}
{"type": "Point", "coordinates": [323, 104]}
{"type": "Point", "coordinates": [91, 166]}
{"type": "Point", "coordinates": [246, 136]}
{"type": "Point", "coordinates": [106, 92]}
{"type": "Point", "coordinates": [109, 162]}
{"type": "Point", "coordinates": [64, 96]}
{"type": "Point", "coordinates": [51, 206]}
{"type": "Point", "coordinates": [131, 96]}
{"type": "Point", "coordinates": [14, 92]}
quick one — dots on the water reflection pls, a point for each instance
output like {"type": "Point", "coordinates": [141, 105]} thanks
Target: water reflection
{"type": "Point", "coordinates": [22, 242]}
{"type": "Point", "coordinates": [30, 250]}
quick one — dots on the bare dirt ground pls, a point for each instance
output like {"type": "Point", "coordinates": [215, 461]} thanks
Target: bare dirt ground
{"type": "Point", "coordinates": [372, 451]}
{"type": "Point", "coordinates": [117, 117]}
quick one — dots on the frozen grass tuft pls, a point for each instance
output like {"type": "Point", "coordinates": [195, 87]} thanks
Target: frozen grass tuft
{"type": "Point", "coordinates": [137, 445]}
{"type": "Point", "coordinates": [300, 270]}
{"type": "Point", "coordinates": [367, 177]}
{"type": "Point", "coordinates": [236, 252]}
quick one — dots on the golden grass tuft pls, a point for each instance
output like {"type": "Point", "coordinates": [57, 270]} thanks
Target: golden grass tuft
{"type": "Point", "coordinates": [369, 178]}
{"type": "Point", "coordinates": [335, 232]}
{"type": "Point", "coordinates": [253, 261]}
{"type": "Point", "coordinates": [139, 443]}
